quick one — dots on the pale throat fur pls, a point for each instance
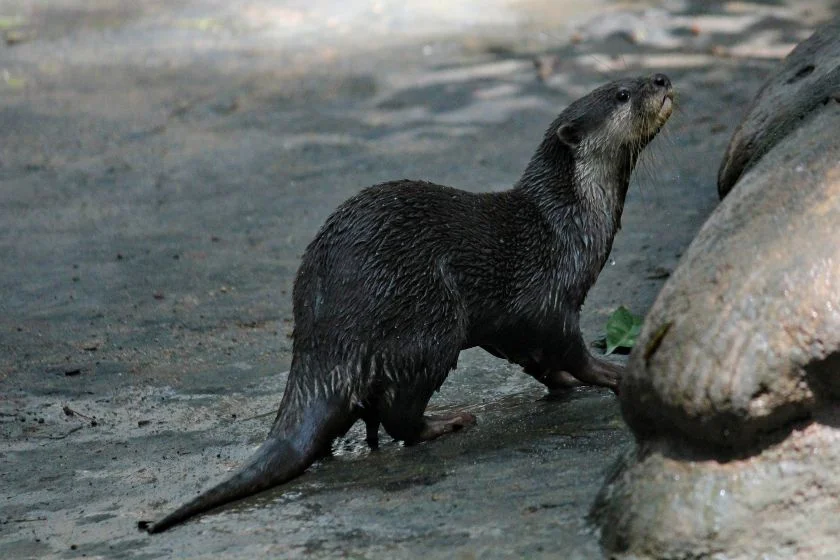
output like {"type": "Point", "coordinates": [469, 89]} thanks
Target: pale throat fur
{"type": "Point", "coordinates": [584, 214]}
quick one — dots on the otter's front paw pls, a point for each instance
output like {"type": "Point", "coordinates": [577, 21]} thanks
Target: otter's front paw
{"type": "Point", "coordinates": [601, 373]}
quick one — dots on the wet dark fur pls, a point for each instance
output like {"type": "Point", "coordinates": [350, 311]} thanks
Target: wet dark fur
{"type": "Point", "coordinates": [406, 274]}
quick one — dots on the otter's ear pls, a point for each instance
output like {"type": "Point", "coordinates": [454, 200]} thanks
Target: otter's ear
{"type": "Point", "coordinates": [569, 134]}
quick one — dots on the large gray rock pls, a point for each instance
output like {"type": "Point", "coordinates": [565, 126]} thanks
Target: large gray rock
{"type": "Point", "coordinates": [733, 390]}
{"type": "Point", "coordinates": [667, 501]}
{"type": "Point", "coordinates": [808, 78]}
{"type": "Point", "coordinates": [745, 336]}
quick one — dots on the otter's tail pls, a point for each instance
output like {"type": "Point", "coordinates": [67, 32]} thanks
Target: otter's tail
{"type": "Point", "coordinates": [286, 454]}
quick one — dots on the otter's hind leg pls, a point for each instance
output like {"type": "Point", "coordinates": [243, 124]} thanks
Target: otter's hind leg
{"type": "Point", "coordinates": [402, 403]}
{"type": "Point", "coordinates": [371, 431]}
{"type": "Point", "coordinates": [419, 367]}
{"type": "Point", "coordinates": [438, 424]}
{"type": "Point", "coordinates": [403, 418]}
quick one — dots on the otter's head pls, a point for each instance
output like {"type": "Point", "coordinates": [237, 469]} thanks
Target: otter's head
{"type": "Point", "coordinates": [617, 119]}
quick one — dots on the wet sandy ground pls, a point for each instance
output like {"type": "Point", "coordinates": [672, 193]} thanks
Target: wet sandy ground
{"type": "Point", "coordinates": [164, 164]}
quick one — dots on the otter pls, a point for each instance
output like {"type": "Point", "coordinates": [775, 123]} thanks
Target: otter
{"type": "Point", "coordinates": [406, 274]}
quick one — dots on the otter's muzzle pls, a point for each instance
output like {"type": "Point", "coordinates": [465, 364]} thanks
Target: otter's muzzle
{"type": "Point", "coordinates": [662, 86]}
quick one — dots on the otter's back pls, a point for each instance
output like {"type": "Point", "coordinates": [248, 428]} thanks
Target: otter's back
{"type": "Point", "coordinates": [400, 250]}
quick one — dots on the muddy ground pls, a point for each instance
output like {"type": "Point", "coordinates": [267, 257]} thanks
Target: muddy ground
{"type": "Point", "coordinates": [163, 166]}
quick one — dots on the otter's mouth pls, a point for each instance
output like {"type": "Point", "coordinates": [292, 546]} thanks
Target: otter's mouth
{"type": "Point", "coordinates": [666, 106]}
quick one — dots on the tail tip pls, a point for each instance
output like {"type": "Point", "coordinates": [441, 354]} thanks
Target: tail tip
{"type": "Point", "coordinates": [149, 527]}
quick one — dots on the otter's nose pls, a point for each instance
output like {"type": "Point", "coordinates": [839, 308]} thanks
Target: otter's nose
{"type": "Point", "coordinates": [661, 81]}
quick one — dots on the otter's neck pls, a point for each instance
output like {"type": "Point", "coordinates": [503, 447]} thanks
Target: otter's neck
{"type": "Point", "coordinates": [580, 194]}
{"type": "Point", "coordinates": [589, 178]}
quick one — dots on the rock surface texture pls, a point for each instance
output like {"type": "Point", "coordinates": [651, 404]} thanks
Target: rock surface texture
{"type": "Point", "coordinates": [807, 78]}
{"type": "Point", "coordinates": [733, 387]}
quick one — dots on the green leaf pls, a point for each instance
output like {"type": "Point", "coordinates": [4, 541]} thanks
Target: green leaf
{"type": "Point", "coordinates": [15, 83]}
{"type": "Point", "coordinates": [11, 22]}
{"type": "Point", "coordinates": [622, 329]}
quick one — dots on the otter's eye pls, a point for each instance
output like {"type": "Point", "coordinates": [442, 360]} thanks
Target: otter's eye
{"type": "Point", "coordinates": [623, 95]}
